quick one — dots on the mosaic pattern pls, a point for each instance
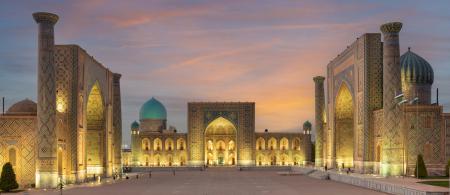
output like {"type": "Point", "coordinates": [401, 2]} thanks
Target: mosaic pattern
{"type": "Point", "coordinates": [19, 133]}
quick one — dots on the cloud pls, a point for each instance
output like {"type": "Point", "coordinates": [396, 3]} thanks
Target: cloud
{"type": "Point", "coordinates": [236, 50]}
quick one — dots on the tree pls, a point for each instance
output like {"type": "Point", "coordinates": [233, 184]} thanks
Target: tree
{"type": "Point", "coordinates": [422, 169]}
{"type": "Point", "coordinates": [8, 178]}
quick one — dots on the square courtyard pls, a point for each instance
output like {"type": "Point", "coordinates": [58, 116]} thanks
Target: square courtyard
{"type": "Point", "coordinates": [216, 181]}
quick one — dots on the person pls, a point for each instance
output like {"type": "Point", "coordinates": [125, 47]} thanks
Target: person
{"type": "Point", "coordinates": [137, 176]}
{"type": "Point", "coordinates": [173, 171]}
{"type": "Point", "coordinates": [150, 174]}
{"type": "Point", "coordinates": [348, 170]}
{"type": "Point", "coordinates": [326, 168]}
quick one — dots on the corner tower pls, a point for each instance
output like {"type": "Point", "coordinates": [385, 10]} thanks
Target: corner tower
{"type": "Point", "coordinates": [319, 123]}
{"type": "Point", "coordinates": [46, 167]}
{"type": "Point", "coordinates": [392, 146]}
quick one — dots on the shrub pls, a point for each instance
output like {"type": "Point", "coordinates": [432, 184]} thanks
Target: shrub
{"type": "Point", "coordinates": [422, 173]}
{"type": "Point", "coordinates": [8, 178]}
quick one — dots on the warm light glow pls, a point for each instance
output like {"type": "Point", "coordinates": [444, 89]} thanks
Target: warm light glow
{"type": "Point", "coordinates": [61, 103]}
{"type": "Point", "coordinates": [220, 136]}
{"type": "Point", "coordinates": [344, 127]}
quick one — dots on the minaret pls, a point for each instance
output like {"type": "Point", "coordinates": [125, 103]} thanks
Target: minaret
{"type": "Point", "coordinates": [392, 148]}
{"type": "Point", "coordinates": [135, 144]}
{"type": "Point", "coordinates": [319, 123]}
{"type": "Point", "coordinates": [117, 124]}
{"type": "Point", "coordinates": [46, 165]}
{"type": "Point", "coordinates": [307, 140]}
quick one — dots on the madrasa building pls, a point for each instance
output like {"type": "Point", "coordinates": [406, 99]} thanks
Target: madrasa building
{"type": "Point", "coordinates": [377, 114]}
{"type": "Point", "coordinates": [219, 134]}
{"type": "Point", "coordinates": [74, 130]}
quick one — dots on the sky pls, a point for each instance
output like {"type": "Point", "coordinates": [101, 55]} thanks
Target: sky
{"type": "Point", "coordinates": [231, 50]}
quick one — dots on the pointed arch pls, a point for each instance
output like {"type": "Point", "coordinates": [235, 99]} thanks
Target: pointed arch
{"type": "Point", "coordinates": [272, 143]}
{"type": "Point", "coordinates": [284, 143]}
{"type": "Point", "coordinates": [260, 143]}
{"type": "Point", "coordinates": [145, 144]}
{"type": "Point", "coordinates": [168, 144]}
{"type": "Point", "coordinates": [220, 126]}
{"type": "Point", "coordinates": [344, 124]}
{"type": "Point", "coordinates": [220, 142]}
{"type": "Point", "coordinates": [96, 132]}
{"type": "Point", "coordinates": [181, 144]}
{"type": "Point", "coordinates": [296, 143]}
{"type": "Point", "coordinates": [157, 144]}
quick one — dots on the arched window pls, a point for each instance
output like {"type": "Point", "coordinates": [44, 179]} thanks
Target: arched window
{"type": "Point", "coordinates": [260, 144]}
{"type": "Point", "coordinates": [145, 144]}
{"type": "Point", "coordinates": [284, 143]}
{"type": "Point", "coordinates": [157, 144]}
{"type": "Point", "coordinates": [169, 144]}
{"type": "Point", "coordinates": [296, 144]}
{"type": "Point", "coordinates": [427, 151]}
{"type": "Point", "coordinates": [210, 145]}
{"type": "Point", "coordinates": [272, 144]}
{"type": "Point", "coordinates": [12, 156]}
{"type": "Point", "coordinates": [231, 145]}
{"type": "Point", "coordinates": [181, 144]}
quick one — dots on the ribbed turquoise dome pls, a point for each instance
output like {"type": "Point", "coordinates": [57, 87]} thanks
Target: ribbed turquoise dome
{"type": "Point", "coordinates": [134, 125]}
{"type": "Point", "coordinates": [415, 69]}
{"type": "Point", "coordinates": [152, 109]}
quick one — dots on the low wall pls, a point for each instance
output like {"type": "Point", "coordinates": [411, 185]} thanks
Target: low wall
{"type": "Point", "coordinates": [379, 185]}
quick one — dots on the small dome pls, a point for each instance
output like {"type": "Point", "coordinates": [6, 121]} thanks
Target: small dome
{"type": "Point", "coordinates": [415, 69]}
{"type": "Point", "coordinates": [152, 109]}
{"type": "Point", "coordinates": [135, 125]}
{"type": "Point", "coordinates": [307, 125]}
{"type": "Point", "coordinates": [25, 106]}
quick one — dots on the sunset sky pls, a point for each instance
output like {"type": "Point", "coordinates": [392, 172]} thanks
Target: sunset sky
{"type": "Point", "coordinates": [232, 50]}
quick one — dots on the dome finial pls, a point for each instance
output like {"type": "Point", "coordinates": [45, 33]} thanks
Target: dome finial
{"type": "Point", "coordinates": [409, 48]}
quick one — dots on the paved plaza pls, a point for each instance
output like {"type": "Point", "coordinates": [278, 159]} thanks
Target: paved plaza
{"type": "Point", "coordinates": [217, 181]}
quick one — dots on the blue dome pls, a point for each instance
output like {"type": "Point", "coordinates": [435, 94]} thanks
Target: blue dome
{"type": "Point", "coordinates": [134, 125]}
{"type": "Point", "coordinates": [415, 69]}
{"type": "Point", "coordinates": [152, 109]}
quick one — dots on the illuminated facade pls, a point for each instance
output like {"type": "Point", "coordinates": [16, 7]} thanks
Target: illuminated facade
{"type": "Point", "coordinates": [219, 134]}
{"type": "Point", "coordinates": [371, 127]}
{"type": "Point", "coordinates": [74, 129]}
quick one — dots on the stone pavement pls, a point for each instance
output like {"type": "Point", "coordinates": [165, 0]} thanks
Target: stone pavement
{"type": "Point", "coordinates": [216, 181]}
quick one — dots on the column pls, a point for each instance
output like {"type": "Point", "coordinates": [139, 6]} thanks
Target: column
{"type": "Point", "coordinates": [392, 149]}
{"type": "Point", "coordinates": [46, 164]}
{"type": "Point", "coordinates": [319, 113]}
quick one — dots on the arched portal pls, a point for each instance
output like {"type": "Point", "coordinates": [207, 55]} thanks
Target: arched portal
{"type": "Point", "coordinates": [220, 143]}
{"type": "Point", "coordinates": [95, 131]}
{"type": "Point", "coordinates": [344, 125]}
